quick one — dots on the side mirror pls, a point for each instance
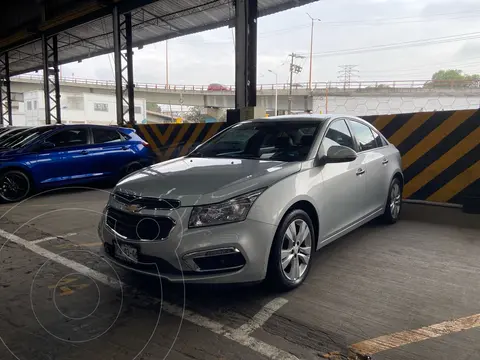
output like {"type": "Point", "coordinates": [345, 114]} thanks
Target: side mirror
{"type": "Point", "coordinates": [339, 154]}
{"type": "Point", "coordinates": [47, 145]}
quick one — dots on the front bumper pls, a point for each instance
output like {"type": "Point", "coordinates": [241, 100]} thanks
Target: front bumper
{"type": "Point", "coordinates": [245, 247]}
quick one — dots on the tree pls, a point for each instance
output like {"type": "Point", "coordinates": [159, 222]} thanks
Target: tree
{"type": "Point", "coordinates": [194, 115]}
{"type": "Point", "coordinates": [453, 78]}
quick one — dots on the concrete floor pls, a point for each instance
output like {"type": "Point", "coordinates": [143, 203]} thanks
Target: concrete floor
{"type": "Point", "coordinates": [376, 281]}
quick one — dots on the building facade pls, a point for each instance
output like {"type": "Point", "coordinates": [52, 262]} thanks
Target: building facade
{"type": "Point", "coordinates": [85, 108]}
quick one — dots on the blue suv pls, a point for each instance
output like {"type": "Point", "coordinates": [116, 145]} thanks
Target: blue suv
{"type": "Point", "coordinates": [58, 155]}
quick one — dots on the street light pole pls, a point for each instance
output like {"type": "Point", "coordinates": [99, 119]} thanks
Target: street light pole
{"type": "Point", "coordinates": [311, 50]}
{"type": "Point", "coordinates": [276, 91]}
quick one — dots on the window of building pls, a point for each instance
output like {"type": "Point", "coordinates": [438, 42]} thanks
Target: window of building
{"type": "Point", "coordinates": [70, 137]}
{"type": "Point", "coordinates": [34, 104]}
{"type": "Point", "coordinates": [137, 109]}
{"type": "Point", "coordinates": [364, 136]}
{"type": "Point", "coordinates": [29, 105]}
{"type": "Point", "coordinates": [104, 135]}
{"type": "Point", "coordinates": [75, 102]}
{"type": "Point", "coordinates": [100, 107]}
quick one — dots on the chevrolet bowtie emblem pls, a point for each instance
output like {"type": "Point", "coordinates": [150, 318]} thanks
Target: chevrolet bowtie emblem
{"type": "Point", "coordinates": [134, 208]}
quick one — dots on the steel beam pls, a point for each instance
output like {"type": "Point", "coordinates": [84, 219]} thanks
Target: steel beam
{"type": "Point", "coordinates": [5, 93]}
{"type": "Point", "coordinates": [245, 54]}
{"type": "Point", "coordinates": [51, 81]}
{"type": "Point", "coordinates": [123, 53]}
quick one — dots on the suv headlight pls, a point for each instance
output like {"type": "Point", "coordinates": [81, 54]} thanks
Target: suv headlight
{"type": "Point", "coordinates": [229, 211]}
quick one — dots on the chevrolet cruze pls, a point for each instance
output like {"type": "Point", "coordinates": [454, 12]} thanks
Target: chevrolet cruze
{"type": "Point", "coordinates": [254, 202]}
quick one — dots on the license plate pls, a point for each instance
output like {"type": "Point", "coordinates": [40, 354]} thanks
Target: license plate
{"type": "Point", "coordinates": [126, 253]}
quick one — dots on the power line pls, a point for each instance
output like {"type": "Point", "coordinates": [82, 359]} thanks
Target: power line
{"type": "Point", "coordinates": [400, 45]}
{"type": "Point", "coordinates": [346, 73]}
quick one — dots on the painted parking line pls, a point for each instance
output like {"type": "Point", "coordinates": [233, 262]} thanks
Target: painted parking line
{"type": "Point", "coordinates": [241, 337]}
{"type": "Point", "coordinates": [262, 316]}
{"type": "Point", "coordinates": [48, 238]}
{"type": "Point", "coordinates": [395, 340]}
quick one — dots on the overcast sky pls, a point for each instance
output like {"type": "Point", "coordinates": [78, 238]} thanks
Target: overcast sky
{"type": "Point", "coordinates": [445, 34]}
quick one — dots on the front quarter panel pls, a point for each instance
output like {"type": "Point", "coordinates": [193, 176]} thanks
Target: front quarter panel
{"type": "Point", "coordinates": [275, 201]}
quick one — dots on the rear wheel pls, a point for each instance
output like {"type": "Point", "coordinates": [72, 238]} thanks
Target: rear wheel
{"type": "Point", "coordinates": [394, 202]}
{"type": "Point", "coordinates": [290, 256]}
{"type": "Point", "coordinates": [15, 186]}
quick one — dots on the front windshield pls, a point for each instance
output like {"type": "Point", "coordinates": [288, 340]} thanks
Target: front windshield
{"type": "Point", "coordinates": [23, 138]}
{"type": "Point", "coordinates": [266, 140]}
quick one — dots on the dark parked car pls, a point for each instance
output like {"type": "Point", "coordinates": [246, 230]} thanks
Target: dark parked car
{"type": "Point", "coordinates": [57, 155]}
{"type": "Point", "coordinates": [8, 132]}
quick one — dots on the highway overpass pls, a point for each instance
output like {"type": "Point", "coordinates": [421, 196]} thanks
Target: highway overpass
{"type": "Point", "coordinates": [359, 98]}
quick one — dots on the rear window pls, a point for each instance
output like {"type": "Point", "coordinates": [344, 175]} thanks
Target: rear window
{"type": "Point", "coordinates": [105, 135]}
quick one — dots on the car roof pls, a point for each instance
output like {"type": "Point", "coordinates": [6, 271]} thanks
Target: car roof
{"type": "Point", "coordinates": [305, 117]}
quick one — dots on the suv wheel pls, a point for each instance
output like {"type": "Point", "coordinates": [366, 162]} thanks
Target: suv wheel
{"type": "Point", "coordinates": [290, 256]}
{"type": "Point", "coordinates": [14, 186]}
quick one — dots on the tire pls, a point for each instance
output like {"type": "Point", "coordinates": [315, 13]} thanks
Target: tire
{"type": "Point", "coordinates": [392, 212]}
{"type": "Point", "coordinates": [131, 168]}
{"type": "Point", "coordinates": [287, 276]}
{"type": "Point", "coordinates": [15, 186]}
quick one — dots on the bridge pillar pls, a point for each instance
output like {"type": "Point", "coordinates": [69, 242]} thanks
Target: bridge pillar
{"type": "Point", "coordinates": [124, 85]}
{"type": "Point", "coordinates": [245, 59]}
{"type": "Point", "coordinates": [5, 93]}
{"type": "Point", "coordinates": [51, 81]}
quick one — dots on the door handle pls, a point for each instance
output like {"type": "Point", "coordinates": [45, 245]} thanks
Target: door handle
{"type": "Point", "coordinates": [360, 171]}
{"type": "Point", "coordinates": [84, 152]}
{"type": "Point", "coordinates": [385, 161]}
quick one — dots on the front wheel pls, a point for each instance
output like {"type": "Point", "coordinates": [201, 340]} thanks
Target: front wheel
{"type": "Point", "coordinates": [14, 186]}
{"type": "Point", "coordinates": [394, 202]}
{"type": "Point", "coordinates": [290, 256]}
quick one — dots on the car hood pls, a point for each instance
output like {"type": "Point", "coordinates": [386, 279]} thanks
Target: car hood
{"type": "Point", "coordinates": [198, 181]}
{"type": "Point", "coordinates": [8, 153]}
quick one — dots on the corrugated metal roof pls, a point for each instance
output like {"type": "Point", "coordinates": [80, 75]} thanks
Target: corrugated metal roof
{"type": "Point", "coordinates": [160, 20]}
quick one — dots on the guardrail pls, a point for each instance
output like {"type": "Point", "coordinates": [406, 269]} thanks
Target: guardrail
{"type": "Point", "coordinates": [330, 85]}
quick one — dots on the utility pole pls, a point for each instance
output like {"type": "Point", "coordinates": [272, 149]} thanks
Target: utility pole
{"type": "Point", "coordinates": [294, 68]}
{"type": "Point", "coordinates": [311, 51]}
{"type": "Point", "coordinates": [346, 73]}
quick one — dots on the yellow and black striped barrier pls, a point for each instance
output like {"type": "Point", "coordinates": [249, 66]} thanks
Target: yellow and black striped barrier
{"type": "Point", "coordinates": [440, 150]}
{"type": "Point", "coordinates": [440, 153]}
{"type": "Point", "coordinates": [169, 141]}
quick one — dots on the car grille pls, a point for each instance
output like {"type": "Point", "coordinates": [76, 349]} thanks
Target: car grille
{"type": "Point", "coordinates": [147, 202]}
{"type": "Point", "coordinates": [139, 227]}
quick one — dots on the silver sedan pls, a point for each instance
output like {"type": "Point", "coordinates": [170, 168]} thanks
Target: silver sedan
{"type": "Point", "coordinates": [254, 201]}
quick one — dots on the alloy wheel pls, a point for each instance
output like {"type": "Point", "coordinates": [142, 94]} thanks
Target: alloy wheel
{"type": "Point", "coordinates": [395, 200]}
{"type": "Point", "coordinates": [14, 186]}
{"type": "Point", "coordinates": [296, 250]}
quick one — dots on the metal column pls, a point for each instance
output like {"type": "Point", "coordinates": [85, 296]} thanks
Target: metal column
{"type": "Point", "coordinates": [123, 52]}
{"type": "Point", "coordinates": [5, 93]}
{"type": "Point", "coordinates": [245, 57]}
{"type": "Point", "coordinates": [51, 81]}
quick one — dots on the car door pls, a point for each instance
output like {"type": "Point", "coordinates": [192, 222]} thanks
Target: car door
{"type": "Point", "coordinates": [343, 184]}
{"type": "Point", "coordinates": [63, 156]}
{"type": "Point", "coordinates": [110, 151]}
{"type": "Point", "coordinates": [376, 170]}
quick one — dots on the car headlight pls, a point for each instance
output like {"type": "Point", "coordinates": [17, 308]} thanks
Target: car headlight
{"type": "Point", "coordinates": [229, 211]}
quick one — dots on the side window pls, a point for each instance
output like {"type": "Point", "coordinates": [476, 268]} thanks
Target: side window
{"type": "Point", "coordinates": [339, 134]}
{"type": "Point", "coordinates": [364, 136]}
{"type": "Point", "coordinates": [70, 137]}
{"type": "Point", "coordinates": [101, 136]}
